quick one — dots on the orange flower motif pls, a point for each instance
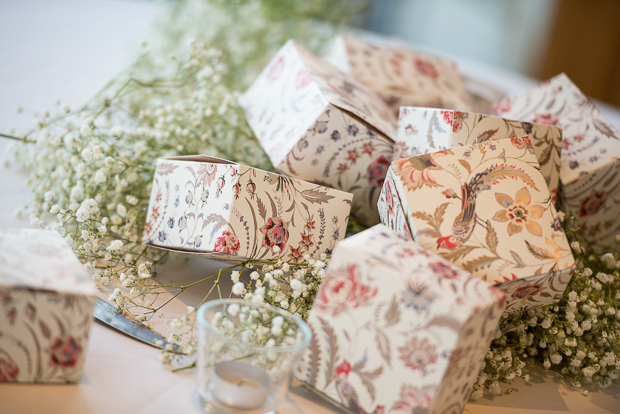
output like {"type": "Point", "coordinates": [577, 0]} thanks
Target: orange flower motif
{"type": "Point", "coordinates": [416, 171]}
{"type": "Point", "coordinates": [519, 213]}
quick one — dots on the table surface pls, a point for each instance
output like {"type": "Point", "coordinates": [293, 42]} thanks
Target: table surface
{"type": "Point", "coordinates": [43, 59]}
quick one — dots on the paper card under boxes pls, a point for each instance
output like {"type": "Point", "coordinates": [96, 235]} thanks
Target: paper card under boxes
{"type": "Point", "coordinates": [316, 124]}
{"type": "Point", "coordinates": [487, 208]}
{"type": "Point", "coordinates": [46, 308]}
{"type": "Point", "coordinates": [590, 169]}
{"type": "Point", "coordinates": [400, 75]}
{"type": "Point", "coordinates": [398, 327]}
{"type": "Point", "coordinates": [425, 130]}
{"type": "Point", "coordinates": [227, 211]}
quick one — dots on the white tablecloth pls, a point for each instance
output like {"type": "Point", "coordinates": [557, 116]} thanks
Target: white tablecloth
{"type": "Point", "coordinates": [69, 49]}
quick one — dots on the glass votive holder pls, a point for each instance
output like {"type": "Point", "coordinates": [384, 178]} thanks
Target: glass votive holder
{"type": "Point", "coordinates": [246, 355]}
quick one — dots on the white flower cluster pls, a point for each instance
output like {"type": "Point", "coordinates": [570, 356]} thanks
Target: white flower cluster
{"type": "Point", "coordinates": [290, 287]}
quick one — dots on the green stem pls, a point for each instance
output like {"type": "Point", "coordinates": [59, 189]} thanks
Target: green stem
{"type": "Point", "coordinates": [27, 141]}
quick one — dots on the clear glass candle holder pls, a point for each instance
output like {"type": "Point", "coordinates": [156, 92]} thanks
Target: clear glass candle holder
{"type": "Point", "coordinates": [246, 355]}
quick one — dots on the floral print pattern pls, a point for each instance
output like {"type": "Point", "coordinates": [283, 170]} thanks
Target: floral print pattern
{"type": "Point", "coordinates": [456, 216]}
{"type": "Point", "coordinates": [8, 370]}
{"type": "Point", "coordinates": [402, 77]}
{"type": "Point", "coordinates": [65, 352]}
{"type": "Point", "coordinates": [241, 212]}
{"type": "Point", "coordinates": [590, 164]}
{"type": "Point", "coordinates": [368, 350]}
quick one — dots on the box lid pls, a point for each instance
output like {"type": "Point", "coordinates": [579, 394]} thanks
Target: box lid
{"type": "Point", "coordinates": [41, 260]}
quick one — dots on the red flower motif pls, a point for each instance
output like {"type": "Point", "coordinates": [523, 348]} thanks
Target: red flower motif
{"type": "Point", "coordinates": [275, 233]}
{"type": "Point", "coordinates": [302, 79]}
{"type": "Point", "coordinates": [443, 270]}
{"type": "Point", "coordinates": [309, 225]}
{"type": "Point", "coordinates": [306, 242]}
{"type": "Point", "coordinates": [227, 243]}
{"type": "Point", "coordinates": [8, 370]}
{"type": "Point", "coordinates": [426, 68]}
{"type": "Point", "coordinates": [206, 173]}
{"type": "Point", "coordinates": [415, 399]}
{"type": "Point", "coordinates": [502, 106]}
{"type": "Point", "coordinates": [448, 116]}
{"type": "Point", "coordinates": [418, 354]}
{"type": "Point", "coordinates": [457, 123]}
{"type": "Point", "coordinates": [592, 204]}
{"type": "Point", "coordinates": [295, 254]}
{"type": "Point", "coordinates": [342, 288]}
{"type": "Point", "coordinates": [65, 353]}
{"type": "Point", "coordinates": [377, 171]}
{"type": "Point", "coordinates": [525, 291]}
{"type": "Point", "coordinates": [546, 119]}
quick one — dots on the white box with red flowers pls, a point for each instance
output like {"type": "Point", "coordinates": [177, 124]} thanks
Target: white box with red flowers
{"type": "Point", "coordinates": [487, 208]}
{"type": "Point", "coordinates": [227, 211]}
{"type": "Point", "coordinates": [397, 328]}
{"type": "Point", "coordinates": [424, 130]}
{"type": "Point", "coordinates": [46, 308]}
{"type": "Point", "coordinates": [590, 168]}
{"type": "Point", "coordinates": [317, 124]}
{"type": "Point", "coordinates": [401, 76]}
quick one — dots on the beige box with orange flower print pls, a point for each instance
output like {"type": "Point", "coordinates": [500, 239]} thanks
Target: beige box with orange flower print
{"type": "Point", "coordinates": [487, 208]}
{"type": "Point", "coordinates": [401, 76]}
{"type": "Point", "coordinates": [425, 130]}
{"type": "Point", "coordinates": [227, 211]}
{"type": "Point", "coordinates": [317, 124]}
{"type": "Point", "coordinates": [590, 168]}
{"type": "Point", "coordinates": [47, 301]}
{"type": "Point", "coordinates": [397, 328]}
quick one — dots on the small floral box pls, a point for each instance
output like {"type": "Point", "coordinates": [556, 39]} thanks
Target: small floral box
{"type": "Point", "coordinates": [396, 328]}
{"type": "Point", "coordinates": [590, 168]}
{"type": "Point", "coordinates": [317, 124]}
{"type": "Point", "coordinates": [401, 76]}
{"type": "Point", "coordinates": [424, 130]}
{"type": "Point", "coordinates": [487, 208]}
{"type": "Point", "coordinates": [47, 301]}
{"type": "Point", "coordinates": [227, 211]}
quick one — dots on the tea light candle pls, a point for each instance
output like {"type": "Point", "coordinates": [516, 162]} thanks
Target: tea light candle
{"type": "Point", "coordinates": [239, 385]}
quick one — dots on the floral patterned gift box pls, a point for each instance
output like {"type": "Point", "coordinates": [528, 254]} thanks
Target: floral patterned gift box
{"type": "Point", "coordinates": [317, 124]}
{"type": "Point", "coordinates": [220, 209]}
{"type": "Point", "coordinates": [487, 208]}
{"type": "Point", "coordinates": [424, 130]}
{"type": "Point", "coordinates": [590, 168]}
{"type": "Point", "coordinates": [400, 75]}
{"type": "Point", "coordinates": [47, 301]}
{"type": "Point", "coordinates": [397, 328]}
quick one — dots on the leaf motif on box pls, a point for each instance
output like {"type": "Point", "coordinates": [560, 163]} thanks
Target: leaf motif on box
{"type": "Point", "coordinates": [604, 128]}
{"type": "Point", "coordinates": [315, 358]}
{"type": "Point", "coordinates": [466, 165]}
{"type": "Point", "coordinates": [219, 223]}
{"type": "Point", "coordinates": [165, 168]}
{"type": "Point", "coordinates": [486, 135]}
{"type": "Point", "coordinates": [392, 315]}
{"type": "Point", "coordinates": [445, 321]}
{"type": "Point", "coordinates": [435, 220]}
{"type": "Point", "coordinates": [491, 238]}
{"type": "Point", "coordinates": [316, 196]}
{"type": "Point", "coordinates": [262, 210]}
{"type": "Point", "coordinates": [332, 346]}
{"type": "Point", "coordinates": [383, 345]}
{"type": "Point", "coordinates": [454, 254]}
{"type": "Point", "coordinates": [538, 252]}
{"type": "Point", "coordinates": [478, 263]}
{"type": "Point", "coordinates": [368, 378]}
{"type": "Point", "coordinates": [45, 330]}
{"type": "Point", "coordinates": [518, 259]}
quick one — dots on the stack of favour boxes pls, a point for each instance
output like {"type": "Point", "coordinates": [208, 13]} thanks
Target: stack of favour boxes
{"type": "Point", "coordinates": [223, 210]}
{"type": "Point", "coordinates": [485, 207]}
{"type": "Point", "coordinates": [401, 76]}
{"type": "Point", "coordinates": [320, 125]}
{"type": "Point", "coordinates": [397, 328]}
{"type": "Point", "coordinates": [46, 308]}
{"type": "Point", "coordinates": [590, 155]}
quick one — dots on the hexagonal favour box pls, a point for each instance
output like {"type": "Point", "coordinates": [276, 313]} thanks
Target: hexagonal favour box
{"type": "Point", "coordinates": [401, 76]}
{"type": "Point", "coordinates": [487, 208]}
{"type": "Point", "coordinates": [590, 168]}
{"type": "Point", "coordinates": [397, 328]}
{"type": "Point", "coordinates": [317, 124]}
{"type": "Point", "coordinates": [47, 301]}
{"type": "Point", "coordinates": [223, 210]}
{"type": "Point", "coordinates": [424, 130]}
